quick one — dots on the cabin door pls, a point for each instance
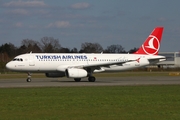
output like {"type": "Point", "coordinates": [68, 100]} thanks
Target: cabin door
{"type": "Point", "coordinates": [31, 60]}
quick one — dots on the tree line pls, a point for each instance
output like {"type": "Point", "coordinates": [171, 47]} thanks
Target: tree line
{"type": "Point", "coordinates": [51, 45]}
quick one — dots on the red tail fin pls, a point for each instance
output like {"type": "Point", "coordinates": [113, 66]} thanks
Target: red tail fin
{"type": "Point", "coordinates": [152, 44]}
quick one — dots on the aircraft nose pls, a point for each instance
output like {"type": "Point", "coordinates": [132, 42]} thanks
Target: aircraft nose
{"type": "Point", "coordinates": [9, 65]}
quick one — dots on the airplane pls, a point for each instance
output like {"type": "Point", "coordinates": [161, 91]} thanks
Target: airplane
{"type": "Point", "coordinates": [81, 65]}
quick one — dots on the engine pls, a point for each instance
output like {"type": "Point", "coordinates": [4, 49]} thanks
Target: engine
{"type": "Point", "coordinates": [54, 75]}
{"type": "Point", "coordinates": [76, 73]}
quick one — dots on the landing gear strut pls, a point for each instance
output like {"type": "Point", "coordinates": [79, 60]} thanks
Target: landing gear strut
{"type": "Point", "coordinates": [92, 79]}
{"type": "Point", "coordinates": [29, 77]}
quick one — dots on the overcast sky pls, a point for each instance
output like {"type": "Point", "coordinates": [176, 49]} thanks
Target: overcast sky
{"type": "Point", "coordinates": [107, 22]}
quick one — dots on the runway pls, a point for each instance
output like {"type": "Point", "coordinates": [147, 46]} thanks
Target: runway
{"type": "Point", "coordinates": [100, 81]}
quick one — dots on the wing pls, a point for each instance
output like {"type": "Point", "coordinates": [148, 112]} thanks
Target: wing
{"type": "Point", "coordinates": [93, 66]}
{"type": "Point", "coordinates": [107, 64]}
{"type": "Point", "coordinates": [97, 66]}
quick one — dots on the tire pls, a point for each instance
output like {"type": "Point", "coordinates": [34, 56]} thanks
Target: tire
{"type": "Point", "coordinates": [92, 79]}
{"type": "Point", "coordinates": [28, 79]}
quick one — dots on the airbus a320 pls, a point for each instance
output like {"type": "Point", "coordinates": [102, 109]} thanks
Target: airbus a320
{"type": "Point", "coordinates": [81, 65]}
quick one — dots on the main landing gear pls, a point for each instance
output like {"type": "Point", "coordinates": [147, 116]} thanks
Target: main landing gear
{"type": "Point", "coordinates": [90, 79]}
{"type": "Point", "coordinates": [29, 77]}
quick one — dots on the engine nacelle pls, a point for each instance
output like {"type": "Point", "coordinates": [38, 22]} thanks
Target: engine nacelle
{"type": "Point", "coordinates": [54, 75]}
{"type": "Point", "coordinates": [76, 73]}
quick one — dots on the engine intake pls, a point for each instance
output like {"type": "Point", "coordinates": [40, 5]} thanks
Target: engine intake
{"type": "Point", "coordinates": [76, 73]}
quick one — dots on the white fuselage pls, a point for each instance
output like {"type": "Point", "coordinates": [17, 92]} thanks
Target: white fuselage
{"type": "Point", "coordinates": [54, 62]}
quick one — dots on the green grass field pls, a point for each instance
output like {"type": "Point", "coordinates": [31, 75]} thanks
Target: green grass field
{"type": "Point", "coordinates": [159, 102]}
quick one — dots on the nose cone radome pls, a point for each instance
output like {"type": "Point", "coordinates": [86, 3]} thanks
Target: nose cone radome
{"type": "Point", "coordinates": [9, 66]}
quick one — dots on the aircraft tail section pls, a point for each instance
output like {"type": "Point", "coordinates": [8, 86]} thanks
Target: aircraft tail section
{"type": "Point", "coordinates": [152, 44]}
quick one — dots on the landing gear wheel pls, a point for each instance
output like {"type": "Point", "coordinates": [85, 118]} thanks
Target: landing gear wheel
{"type": "Point", "coordinates": [28, 79]}
{"type": "Point", "coordinates": [77, 79]}
{"type": "Point", "coordinates": [92, 79]}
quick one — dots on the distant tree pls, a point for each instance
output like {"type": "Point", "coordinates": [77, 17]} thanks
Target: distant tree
{"type": "Point", "coordinates": [36, 48]}
{"type": "Point", "coordinates": [50, 45]}
{"type": "Point", "coordinates": [8, 48]}
{"type": "Point", "coordinates": [28, 42]}
{"type": "Point", "coordinates": [64, 50]}
{"type": "Point", "coordinates": [74, 50]}
{"type": "Point", "coordinates": [91, 48]}
{"type": "Point", "coordinates": [28, 45]}
{"type": "Point", "coordinates": [133, 50]}
{"type": "Point", "coordinates": [22, 49]}
{"type": "Point", "coordinates": [114, 49]}
{"type": "Point", "coordinates": [4, 57]}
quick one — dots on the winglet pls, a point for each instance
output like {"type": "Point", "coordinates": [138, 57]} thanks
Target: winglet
{"type": "Point", "coordinates": [152, 44]}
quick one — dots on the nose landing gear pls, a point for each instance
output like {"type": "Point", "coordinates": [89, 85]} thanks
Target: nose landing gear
{"type": "Point", "coordinates": [29, 77]}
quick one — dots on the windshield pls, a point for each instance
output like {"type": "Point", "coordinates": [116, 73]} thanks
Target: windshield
{"type": "Point", "coordinates": [17, 59]}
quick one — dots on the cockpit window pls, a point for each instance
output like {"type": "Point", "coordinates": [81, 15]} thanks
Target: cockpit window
{"type": "Point", "coordinates": [17, 59]}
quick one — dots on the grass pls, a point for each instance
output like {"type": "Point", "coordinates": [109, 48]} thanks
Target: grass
{"type": "Point", "coordinates": [107, 102]}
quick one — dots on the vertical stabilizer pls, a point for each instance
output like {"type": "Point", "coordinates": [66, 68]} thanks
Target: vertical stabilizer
{"type": "Point", "coordinates": [152, 44]}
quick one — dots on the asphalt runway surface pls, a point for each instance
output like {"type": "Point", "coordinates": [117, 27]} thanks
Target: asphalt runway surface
{"type": "Point", "coordinates": [100, 81]}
